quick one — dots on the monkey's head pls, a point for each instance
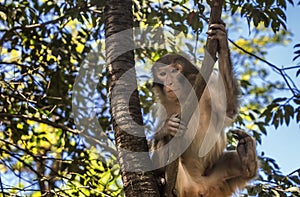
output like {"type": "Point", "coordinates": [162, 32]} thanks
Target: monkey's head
{"type": "Point", "coordinates": [171, 73]}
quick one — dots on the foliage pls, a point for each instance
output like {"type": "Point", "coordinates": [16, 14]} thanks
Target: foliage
{"type": "Point", "coordinates": [45, 45]}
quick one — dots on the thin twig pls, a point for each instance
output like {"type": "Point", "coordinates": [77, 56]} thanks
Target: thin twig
{"type": "Point", "coordinates": [281, 72]}
{"type": "Point", "coordinates": [2, 189]}
{"type": "Point", "coordinates": [298, 170]}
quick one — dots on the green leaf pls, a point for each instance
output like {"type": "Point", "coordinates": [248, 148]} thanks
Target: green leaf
{"type": "Point", "coordinates": [291, 2]}
{"type": "Point", "coordinates": [282, 3]}
{"type": "Point", "coordinates": [257, 136]}
{"type": "Point", "coordinates": [183, 1]}
{"type": "Point", "coordinates": [275, 193]}
{"type": "Point", "coordinates": [190, 47]}
{"type": "Point", "coordinates": [287, 119]}
{"type": "Point", "coordinates": [261, 126]}
{"type": "Point", "coordinates": [275, 121]}
{"type": "Point", "coordinates": [268, 117]}
{"type": "Point", "coordinates": [246, 9]}
{"type": "Point", "coordinates": [105, 178]}
{"type": "Point", "coordinates": [233, 9]}
{"type": "Point", "coordinates": [297, 52]}
{"type": "Point", "coordinates": [297, 101]}
{"type": "Point", "coordinates": [251, 115]}
{"type": "Point", "coordinates": [279, 12]}
{"type": "Point", "coordinates": [3, 16]}
{"type": "Point", "coordinates": [280, 116]}
{"type": "Point", "coordinates": [295, 59]}
{"type": "Point", "coordinates": [297, 45]}
{"type": "Point", "coordinates": [269, 3]}
{"type": "Point", "coordinates": [266, 19]}
{"type": "Point", "coordinates": [289, 110]}
{"type": "Point", "coordinates": [256, 19]}
{"type": "Point", "coordinates": [278, 100]}
{"type": "Point", "coordinates": [275, 25]}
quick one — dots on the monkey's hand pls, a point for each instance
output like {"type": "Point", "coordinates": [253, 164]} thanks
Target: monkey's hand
{"type": "Point", "coordinates": [218, 32]}
{"type": "Point", "coordinates": [176, 126]}
{"type": "Point", "coordinates": [247, 153]}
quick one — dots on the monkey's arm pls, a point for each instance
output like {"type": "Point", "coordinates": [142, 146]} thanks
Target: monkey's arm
{"type": "Point", "coordinates": [218, 31]}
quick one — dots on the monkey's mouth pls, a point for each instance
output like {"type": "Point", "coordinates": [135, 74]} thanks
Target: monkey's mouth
{"type": "Point", "coordinates": [170, 90]}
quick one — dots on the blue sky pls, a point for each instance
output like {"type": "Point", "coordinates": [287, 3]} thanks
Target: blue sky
{"type": "Point", "coordinates": [283, 144]}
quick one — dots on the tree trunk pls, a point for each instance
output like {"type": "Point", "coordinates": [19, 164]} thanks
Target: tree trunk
{"type": "Point", "coordinates": [124, 100]}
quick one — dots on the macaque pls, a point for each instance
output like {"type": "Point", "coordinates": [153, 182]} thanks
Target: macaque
{"type": "Point", "coordinates": [214, 172]}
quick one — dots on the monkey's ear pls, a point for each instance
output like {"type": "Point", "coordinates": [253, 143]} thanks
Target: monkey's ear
{"type": "Point", "coordinates": [179, 67]}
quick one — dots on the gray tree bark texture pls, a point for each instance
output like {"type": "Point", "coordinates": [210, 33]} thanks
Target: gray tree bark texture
{"type": "Point", "coordinates": [126, 116]}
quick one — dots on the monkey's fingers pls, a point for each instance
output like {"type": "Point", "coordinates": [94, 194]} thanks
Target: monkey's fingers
{"type": "Point", "coordinates": [176, 126]}
{"type": "Point", "coordinates": [176, 118]}
{"type": "Point", "coordinates": [239, 134]}
{"type": "Point", "coordinates": [216, 34]}
{"type": "Point", "coordinates": [218, 26]}
{"type": "Point", "coordinates": [178, 130]}
{"type": "Point", "coordinates": [174, 122]}
{"type": "Point", "coordinates": [176, 115]}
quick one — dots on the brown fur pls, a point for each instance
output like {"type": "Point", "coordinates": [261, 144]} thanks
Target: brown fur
{"type": "Point", "coordinates": [204, 169]}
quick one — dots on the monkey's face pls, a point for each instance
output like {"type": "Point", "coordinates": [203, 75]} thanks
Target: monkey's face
{"type": "Point", "coordinates": [171, 79]}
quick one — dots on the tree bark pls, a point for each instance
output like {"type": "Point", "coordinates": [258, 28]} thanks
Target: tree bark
{"type": "Point", "coordinates": [199, 86]}
{"type": "Point", "coordinates": [124, 100]}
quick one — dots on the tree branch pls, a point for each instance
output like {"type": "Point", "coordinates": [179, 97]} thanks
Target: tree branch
{"type": "Point", "coordinates": [281, 71]}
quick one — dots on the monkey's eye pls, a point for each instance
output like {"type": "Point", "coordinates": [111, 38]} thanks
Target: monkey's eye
{"type": "Point", "coordinates": [162, 74]}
